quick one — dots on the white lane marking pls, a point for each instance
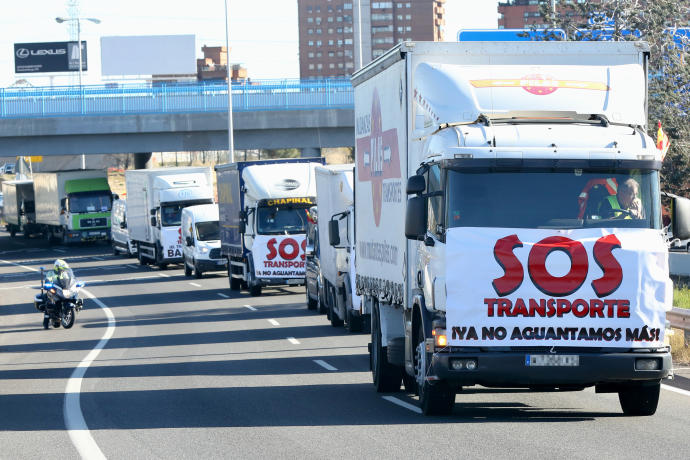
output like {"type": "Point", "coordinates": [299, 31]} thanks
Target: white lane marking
{"type": "Point", "coordinates": [195, 285]}
{"type": "Point", "coordinates": [19, 265]}
{"type": "Point", "coordinates": [274, 322]}
{"type": "Point", "coordinates": [293, 340]}
{"type": "Point", "coordinates": [97, 258]}
{"type": "Point", "coordinates": [250, 307]}
{"type": "Point", "coordinates": [325, 365]}
{"type": "Point", "coordinates": [404, 404]}
{"type": "Point", "coordinates": [163, 275]}
{"type": "Point", "coordinates": [223, 295]}
{"type": "Point", "coordinates": [74, 418]}
{"type": "Point", "coordinates": [675, 390]}
{"type": "Point", "coordinates": [59, 250]}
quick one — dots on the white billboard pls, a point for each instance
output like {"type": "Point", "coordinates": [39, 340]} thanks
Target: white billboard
{"type": "Point", "coordinates": [148, 55]}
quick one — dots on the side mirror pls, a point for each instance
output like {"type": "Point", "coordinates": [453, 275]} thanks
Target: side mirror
{"type": "Point", "coordinates": [63, 205]}
{"type": "Point", "coordinates": [115, 196]}
{"type": "Point", "coordinates": [123, 224]}
{"type": "Point", "coordinates": [189, 241]}
{"type": "Point", "coordinates": [415, 218]}
{"type": "Point", "coordinates": [333, 233]}
{"type": "Point", "coordinates": [153, 212]}
{"type": "Point", "coordinates": [153, 221]}
{"type": "Point", "coordinates": [309, 250]}
{"type": "Point", "coordinates": [416, 184]}
{"type": "Point", "coordinates": [680, 218]}
{"type": "Point", "coordinates": [242, 227]}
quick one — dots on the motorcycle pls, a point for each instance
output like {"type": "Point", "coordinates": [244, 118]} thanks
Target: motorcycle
{"type": "Point", "coordinates": [59, 298]}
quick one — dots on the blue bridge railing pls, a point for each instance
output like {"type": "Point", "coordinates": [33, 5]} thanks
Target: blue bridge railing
{"type": "Point", "coordinates": [121, 99]}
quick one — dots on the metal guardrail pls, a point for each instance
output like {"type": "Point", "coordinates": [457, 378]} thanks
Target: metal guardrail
{"type": "Point", "coordinates": [123, 99]}
{"type": "Point", "coordinates": [679, 318]}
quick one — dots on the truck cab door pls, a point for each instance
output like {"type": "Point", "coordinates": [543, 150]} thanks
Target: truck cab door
{"type": "Point", "coordinates": [431, 262]}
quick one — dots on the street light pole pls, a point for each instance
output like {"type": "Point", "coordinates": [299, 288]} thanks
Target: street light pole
{"type": "Point", "coordinates": [231, 140]}
{"type": "Point", "coordinates": [60, 20]}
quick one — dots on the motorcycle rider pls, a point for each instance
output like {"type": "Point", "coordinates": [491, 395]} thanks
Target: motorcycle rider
{"type": "Point", "coordinates": [60, 274]}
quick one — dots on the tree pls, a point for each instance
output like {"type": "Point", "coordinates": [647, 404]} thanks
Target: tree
{"type": "Point", "coordinates": [657, 23]}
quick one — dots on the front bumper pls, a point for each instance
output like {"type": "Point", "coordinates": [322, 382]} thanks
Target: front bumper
{"type": "Point", "coordinates": [74, 236]}
{"type": "Point", "coordinates": [209, 265]}
{"type": "Point", "coordinates": [506, 369]}
{"type": "Point", "coordinates": [281, 281]}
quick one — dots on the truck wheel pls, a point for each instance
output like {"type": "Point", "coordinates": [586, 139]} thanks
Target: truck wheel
{"type": "Point", "coordinates": [142, 258]}
{"type": "Point", "coordinates": [115, 251]}
{"type": "Point", "coordinates": [198, 274]}
{"type": "Point", "coordinates": [353, 322]}
{"type": "Point", "coordinates": [436, 399]}
{"type": "Point", "coordinates": [333, 315]}
{"type": "Point", "coordinates": [311, 303]}
{"type": "Point", "coordinates": [13, 232]}
{"type": "Point", "coordinates": [254, 288]}
{"type": "Point", "coordinates": [386, 376]}
{"type": "Point", "coordinates": [187, 268]}
{"type": "Point", "coordinates": [321, 306]}
{"type": "Point", "coordinates": [235, 284]}
{"type": "Point", "coordinates": [640, 399]}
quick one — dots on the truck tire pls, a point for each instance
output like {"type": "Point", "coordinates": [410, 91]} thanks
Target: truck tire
{"type": "Point", "coordinates": [142, 258]}
{"type": "Point", "coordinates": [235, 283]}
{"type": "Point", "coordinates": [386, 376]}
{"type": "Point", "coordinates": [311, 303]}
{"type": "Point", "coordinates": [254, 288]}
{"type": "Point", "coordinates": [187, 269]}
{"type": "Point", "coordinates": [13, 232]}
{"type": "Point", "coordinates": [321, 306]}
{"type": "Point", "coordinates": [640, 400]}
{"type": "Point", "coordinates": [353, 323]}
{"type": "Point", "coordinates": [436, 399]}
{"type": "Point", "coordinates": [198, 274]}
{"type": "Point", "coordinates": [332, 313]}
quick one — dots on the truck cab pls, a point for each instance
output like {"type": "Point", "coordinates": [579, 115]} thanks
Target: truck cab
{"type": "Point", "coordinates": [201, 240]}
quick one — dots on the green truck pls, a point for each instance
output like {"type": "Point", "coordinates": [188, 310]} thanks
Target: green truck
{"type": "Point", "coordinates": [73, 206]}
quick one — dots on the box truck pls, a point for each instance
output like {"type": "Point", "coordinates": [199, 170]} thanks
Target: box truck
{"type": "Point", "coordinates": [155, 199]}
{"type": "Point", "coordinates": [263, 219]}
{"type": "Point", "coordinates": [334, 192]}
{"type": "Point", "coordinates": [508, 220]}
{"type": "Point", "coordinates": [19, 212]}
{"type": "Point", "coordinates": [73, 206]}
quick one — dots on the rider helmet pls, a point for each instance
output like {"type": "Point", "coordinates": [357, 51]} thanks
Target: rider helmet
{"type": "Point", "coordinates": [60, 266]}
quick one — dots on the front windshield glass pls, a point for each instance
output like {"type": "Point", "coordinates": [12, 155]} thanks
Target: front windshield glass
{"type": "Point", "coordinates": [171, 215]}
{"type": "Point", "coordinates": [65, 279]}
{"type": "Point", "coordinates": [272, 220]}
{"type": "Point", "coordinates": [553, 199]}
{"type": "Point", "coordinates": [90, 202]}
{"type": "Point", "coordinates": [207, 231]}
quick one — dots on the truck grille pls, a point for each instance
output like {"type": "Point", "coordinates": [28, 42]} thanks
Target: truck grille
{"type": "Point", "coordinates": [93, 222]}
{"type": "Point", "coordinates": [214, 254]}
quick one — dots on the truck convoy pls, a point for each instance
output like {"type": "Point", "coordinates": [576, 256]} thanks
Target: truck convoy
{"type": "Point", "coordinates": [337, 245]}
{"type": "Point", "coordinates": [155, 199]}
{"type": "Point", "coordinates": [518, 260]}
{"type": "Point", "coordinates": [19, 213]}
{"type": "Point", "coordinates": [263, 218]}
{"type": "Point", "coordinates": [73, 206]}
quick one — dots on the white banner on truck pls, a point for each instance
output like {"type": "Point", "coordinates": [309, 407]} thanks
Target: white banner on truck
{"type": "Point", "coordinates": [171, 241]}
{"type": "Point", "coordinates": [566, 288]}
{"type": "Point", "coordinates": [278, 256]}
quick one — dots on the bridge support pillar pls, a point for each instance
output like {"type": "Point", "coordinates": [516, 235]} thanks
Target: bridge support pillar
{"type": "Point", "coordinates": [142, 160]}
{"type": "Point", "coordinates": [311, 152]}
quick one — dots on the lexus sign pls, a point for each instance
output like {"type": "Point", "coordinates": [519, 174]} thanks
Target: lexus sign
{"type": "Point", "coordinates": [48, 57]}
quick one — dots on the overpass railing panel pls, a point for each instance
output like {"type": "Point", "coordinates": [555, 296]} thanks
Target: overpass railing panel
{"type": "Point", "coordinates": [175, 98]}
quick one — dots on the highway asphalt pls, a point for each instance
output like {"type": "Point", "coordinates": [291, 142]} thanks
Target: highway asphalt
{"type": "Point", "coordinates": [193, 370]}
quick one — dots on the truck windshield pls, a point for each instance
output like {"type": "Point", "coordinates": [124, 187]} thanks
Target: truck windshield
{"type": "Point", "coordinates": [99, 201]}
{"type": "Point", "coordinates": [207, 231]}
{"type": "Point", "coordinates": [272, 220]}
{"type": "Point", "coordinates": [171, 215]}
{"type": "Point", "coordinates": [553, 199]}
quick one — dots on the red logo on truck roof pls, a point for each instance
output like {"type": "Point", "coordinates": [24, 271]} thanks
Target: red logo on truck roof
{"type": "Point", "coordinates": [540, 85]}
{"type": "Point", "coordinates": [377, 156]}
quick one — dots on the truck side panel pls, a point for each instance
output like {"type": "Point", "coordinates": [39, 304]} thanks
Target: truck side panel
{"type": "Point", "coordinates": [10, 212]}
{"type": "Point", "coordinates": [380, 180]}
{"type": "Point", "coordinates": [138, 205]}
{"type": "Point", "coordinates": [230, 203]}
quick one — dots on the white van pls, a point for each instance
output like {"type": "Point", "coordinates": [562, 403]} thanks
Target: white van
{"type": "Point", "coordinates": [119, 234]}
{"type": "Point", "coordinates": [201, 240]}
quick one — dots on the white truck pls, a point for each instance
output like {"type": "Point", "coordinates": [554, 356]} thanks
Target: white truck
{"type": "Point", "coordinates": [334, 191]}
{"type": "Point", "coordinates": [73, 206]}
{"type": "Point", "coordinates": [516, 261]}
{"type": "Point", "coordinates": [155, 199]}
{"type": "Point", "coordinates": [263, 219]}
{"type": "Point", "coordinates": [18, 212]}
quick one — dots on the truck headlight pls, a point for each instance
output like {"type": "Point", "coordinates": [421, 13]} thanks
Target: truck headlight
{"type": "Point", "coordinates": [204, 250]}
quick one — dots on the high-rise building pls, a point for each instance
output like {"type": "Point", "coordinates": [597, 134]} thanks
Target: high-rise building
{"type": "Point", "coordinates": [336, 37]}
{"type": "Point", "coordinates": [524, 14]}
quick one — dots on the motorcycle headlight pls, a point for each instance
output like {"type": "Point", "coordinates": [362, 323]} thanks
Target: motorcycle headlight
{"type": "Point", "coordinates": [67, 292]}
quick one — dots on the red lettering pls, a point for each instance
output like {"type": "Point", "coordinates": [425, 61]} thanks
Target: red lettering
{"type": "Point", "coordinates": [271, 249]}
{"type": "Point", "coordinates": [490, 303]}
{"type": "Point", "coordinates": [514, 273]}
{"type": "Point", "coordinates": [579, 308]}
{"type": "Point", "coordinates": [304, 248]}
{"type": "Point", "coordinates": [562, 307]}
{"type": "Point", "coordinates": [623, 309]}
{"type": "Point", "coordinates": [613, 273]}
{"type": "Point", "coordinates": [596, 308]}
{"type": "Point", "coordinates": [284, 253]}
{"type": "Point", "coordinates": [552, 285]}
{"type": "Point", "coordinates": [504, 306]}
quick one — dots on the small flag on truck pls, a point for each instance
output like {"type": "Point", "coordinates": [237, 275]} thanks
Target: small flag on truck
{"type": "Point", "coordinates": [662, 142]}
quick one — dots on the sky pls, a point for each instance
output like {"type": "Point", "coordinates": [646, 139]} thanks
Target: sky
{"type": "Point", "coordinates": [263, 33]}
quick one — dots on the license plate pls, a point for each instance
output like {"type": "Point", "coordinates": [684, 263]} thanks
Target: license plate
{"type": "Point", "coordinates": [552, 360]}
{"type": "Point", "coordinates": [295, 281]}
